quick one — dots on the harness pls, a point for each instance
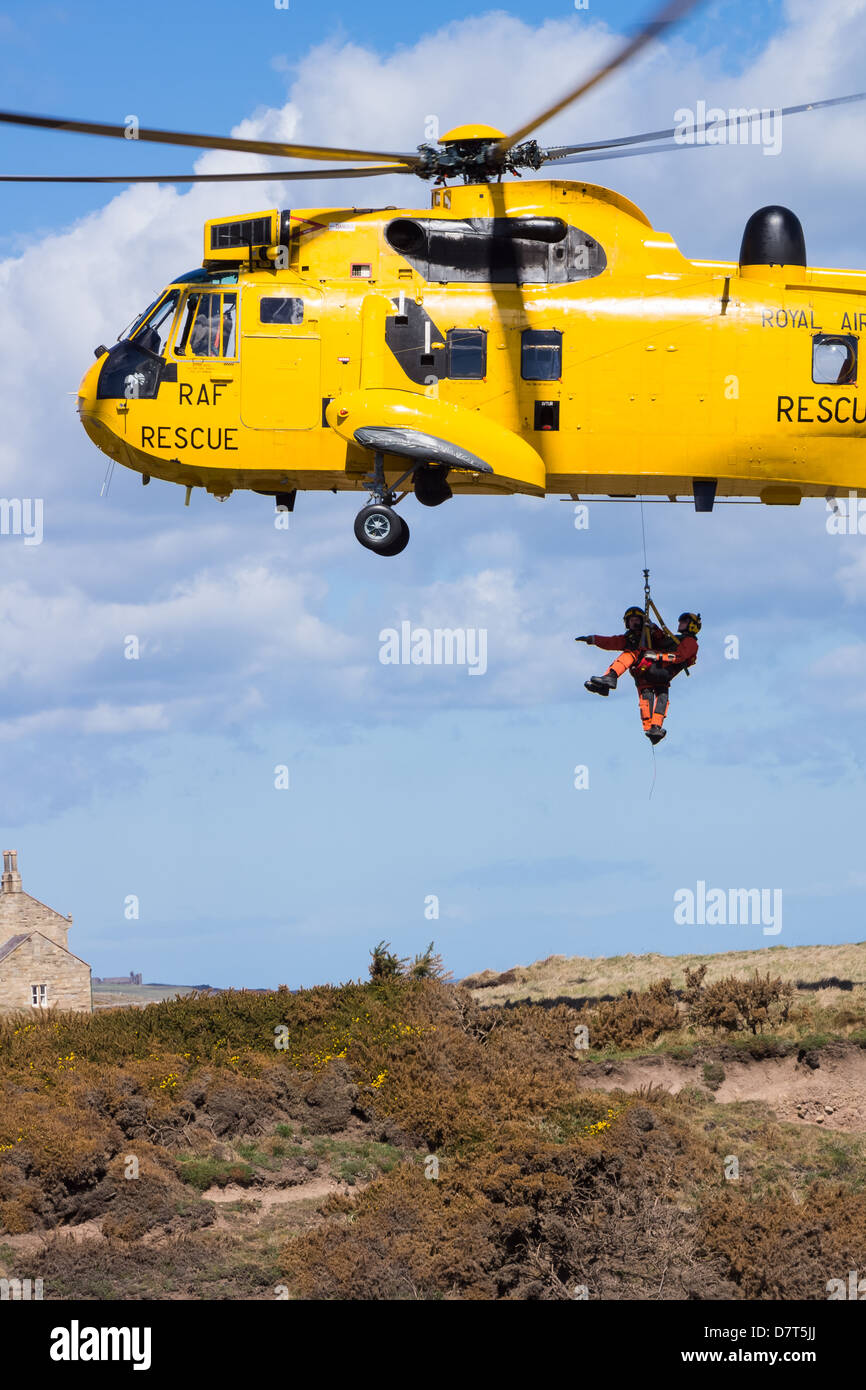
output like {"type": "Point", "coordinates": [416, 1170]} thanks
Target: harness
{"type": "Point", "coordinates": [649, 606]}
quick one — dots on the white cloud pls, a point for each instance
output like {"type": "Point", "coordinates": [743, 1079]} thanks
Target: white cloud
{"type": "Point", "coordinates": [101, 719]}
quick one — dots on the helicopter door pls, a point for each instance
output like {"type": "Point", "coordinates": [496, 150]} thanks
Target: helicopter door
{"type": "Point", "coordinates": [540, 378]}
{"type": "Point", "coordinates": [280, 359]}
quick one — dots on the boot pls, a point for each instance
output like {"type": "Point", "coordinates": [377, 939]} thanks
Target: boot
{"type": "Point", "coordinates": [601, 685]}
{"type": "Point", "coordinates": [656, 735]}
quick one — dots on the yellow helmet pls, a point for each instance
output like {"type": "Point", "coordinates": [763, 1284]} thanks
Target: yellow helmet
{"type": "Point", "coordinates": [628, 613]}
{"type": "Point", "coordinates": [694, 622]}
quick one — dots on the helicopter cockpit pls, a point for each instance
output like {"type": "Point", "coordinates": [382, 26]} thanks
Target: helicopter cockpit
{"type": "Point", "coordinates": [136, 364]}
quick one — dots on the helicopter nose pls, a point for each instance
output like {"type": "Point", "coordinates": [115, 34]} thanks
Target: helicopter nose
{"type": "Point", "coordinates": [87, 389]}
{"type": "Point", "coordinates": [98, 424]}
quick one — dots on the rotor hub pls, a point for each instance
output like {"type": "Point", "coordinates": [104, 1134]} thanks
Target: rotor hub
{"type": "Point", "coordinates": [475, 153]}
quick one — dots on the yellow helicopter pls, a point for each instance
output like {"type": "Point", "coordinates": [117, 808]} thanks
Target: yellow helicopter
{"type": "Point", "coordinates": [532, 337]}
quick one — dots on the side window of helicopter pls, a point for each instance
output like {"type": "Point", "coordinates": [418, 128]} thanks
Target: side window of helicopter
{"type": "Point", "coordinates": [209, 326]}
{"type": "Point", "coordinates": [230, 304]}
{"type": "Point", "coordinates": [205, 338]}
{"type": "Point", "coordinates": [182, 341]}
{"type": "Point", "coordinates": [834, 359]}
{"type": "Point", "coordinates": [541, 354]}
{"type": "Point", "coordinates": [467, 354]}
{"type": "Point", "coordinates": [281, 310]}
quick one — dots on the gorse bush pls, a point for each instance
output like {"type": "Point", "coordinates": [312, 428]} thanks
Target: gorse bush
{"type": "Point", "coordinates": [733, 1004]}
{"type": "Point", "coordinates": [728, 1005]}
{"type": "Point", "coordinates": [428, 966]}
{"type": "Point", "coordinates": [635, 1017]}
{"type": "Point", "coordinates": [384, 964]}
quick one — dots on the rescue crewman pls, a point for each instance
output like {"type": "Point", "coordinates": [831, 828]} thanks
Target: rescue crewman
{"type": "Point", "coordinates": [652, 668]}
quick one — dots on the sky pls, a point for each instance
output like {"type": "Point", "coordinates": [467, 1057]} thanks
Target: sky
{"type": "Point", "coordinates": [411, 790]}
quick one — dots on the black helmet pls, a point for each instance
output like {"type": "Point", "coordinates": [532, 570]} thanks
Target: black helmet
{"type": "Point", "coordinates": [693, 620]}
{"type": "Point", "coordinates": [628, 613]}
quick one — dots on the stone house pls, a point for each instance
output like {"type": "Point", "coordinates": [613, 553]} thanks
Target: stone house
{"type": "Point", "coordinates": [37, 969]}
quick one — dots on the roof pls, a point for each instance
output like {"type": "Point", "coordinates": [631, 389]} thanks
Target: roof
{"type": "Point", "coordinates": [15, 941]}
{"type": "Point", "coordinates": [9, 946]}
{"type": "Point", "coordinates": [38, 901]}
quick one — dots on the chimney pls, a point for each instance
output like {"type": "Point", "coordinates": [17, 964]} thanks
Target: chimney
{"type": "Point", "coordinates": [11, 881]}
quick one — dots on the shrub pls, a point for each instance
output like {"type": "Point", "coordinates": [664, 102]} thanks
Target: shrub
{"type": "Point", "coordinates": [733, 1004]}
{"type": "Point", "coordinates": [633, 1018]}
{"type": "Point", "coordinates": [428, 966]}
{"type": "Point", "coordinates": [385, 965]}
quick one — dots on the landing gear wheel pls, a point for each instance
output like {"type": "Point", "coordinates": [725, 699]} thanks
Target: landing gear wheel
{"type": "Point", "coordinates": [379, 528]}
{"type": "Point", "coordinates": [401, 541]}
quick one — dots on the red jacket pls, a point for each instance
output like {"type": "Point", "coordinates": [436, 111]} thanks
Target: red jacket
{"type": "Point", "coordinates": [684, 654]}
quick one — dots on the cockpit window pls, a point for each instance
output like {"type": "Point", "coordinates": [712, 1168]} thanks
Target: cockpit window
{"type": "Point", "coordinates": [153, 329]}
{"type": "Point", "coordinates": [136, 322]}
{"type": "Point", "coordinates": [834, 359]}
{"type": "Point", "coordinates": [190, 277]}
{"type": "Point", "coordinates": [208, 326]}
{"type": "Point", "coordinates": [186, 324]}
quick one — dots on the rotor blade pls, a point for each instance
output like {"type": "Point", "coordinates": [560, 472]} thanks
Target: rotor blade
{"type": "Point", "coordinates": [602, 155]}
{"type": "Point", "coordinates": [276, 175]}
{"type": "Point", "coordinates": [557, 151]}
{"type": "Point", "coordinates": [670, 14]}
{"type": "Point", "coordinates": [201, 142]}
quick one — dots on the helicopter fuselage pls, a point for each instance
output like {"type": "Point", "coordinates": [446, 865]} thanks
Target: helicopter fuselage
{"type": "Point", "coordinates": [533, 337]}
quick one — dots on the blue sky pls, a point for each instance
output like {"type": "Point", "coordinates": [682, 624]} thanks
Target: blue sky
{"type": "Point", "coordinates": [260, 647]}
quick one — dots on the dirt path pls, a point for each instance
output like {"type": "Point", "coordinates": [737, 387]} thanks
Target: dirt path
{"type": "Point", "coordinates": [268, 1197]}
{"type": "Point", "coordinates": [258, 1203]}
{"type": "Point", "coordinates": [33, 1240]}
{"type": "Point", "coordinates": [833, 1094]}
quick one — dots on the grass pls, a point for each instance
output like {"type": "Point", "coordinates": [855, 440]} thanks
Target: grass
{"type": "Point", "coordinates": [596, 976]}
{"type": "Point", "coordinates": [354, 1160]}
{"type": "Point", "coordinates": [213, 1172]}
{"type": "Point", "coordinates": [775, 1156]}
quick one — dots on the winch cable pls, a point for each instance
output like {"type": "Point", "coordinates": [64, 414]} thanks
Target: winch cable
{"type": "Point", "coordinates": [649, 606]}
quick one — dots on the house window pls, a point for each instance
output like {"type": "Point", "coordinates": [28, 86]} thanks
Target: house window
{"type": "Point", "coordinates": [541, 354]}
{"type": "Point", "coordinates": [39, 996]}
{"type": "Point", "coordinates": [467, 354]}
{"type": "Point", "coordinates": [834, 359]}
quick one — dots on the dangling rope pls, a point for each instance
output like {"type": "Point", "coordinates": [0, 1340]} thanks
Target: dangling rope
{"type": "Point", "coordinates": [645, 633]}
{"type": "Point", "coordinates": [649, 606]}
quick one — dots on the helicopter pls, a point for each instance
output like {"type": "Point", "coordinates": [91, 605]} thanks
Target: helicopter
{"type": "Point", "coordinates": [531, 337]}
